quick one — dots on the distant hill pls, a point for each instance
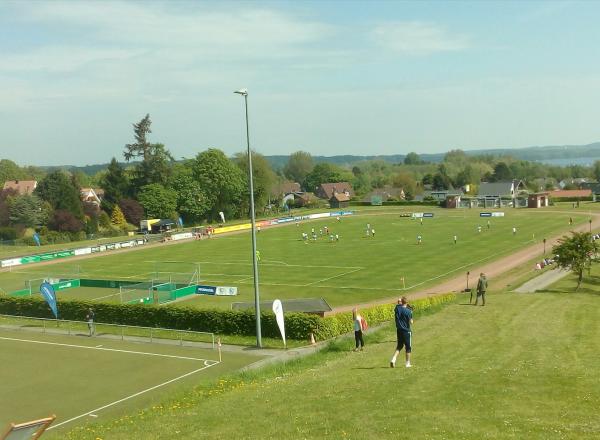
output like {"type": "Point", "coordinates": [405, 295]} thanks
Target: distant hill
{"type": "Point", "coordinates": [557, 154]}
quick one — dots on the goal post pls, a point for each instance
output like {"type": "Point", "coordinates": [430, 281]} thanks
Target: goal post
{"type": "Point", "coordinates": [180, 273]}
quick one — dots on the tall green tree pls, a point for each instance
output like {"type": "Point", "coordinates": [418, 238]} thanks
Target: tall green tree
{"type": "Point", "coordinates": [412, 158]}
{"type": "Point", "coordinates": [322, 173]}
{"type": "Point", "coordinates": [158, 201]}
{"type": "Point", "coordinates": [222, 182]}
{"type": "Point", "coordinates": [502, 172]}
{"type": "Point", "coordinates": [27, 210]}
{"type": "Point", "coordinates": [115, 184]}
{"type": "Point", "coordinates": [59, 190]}
{"type": "Point", "coordinates": [263, 176]}
{"type": "Point", "coordinates": [192, 201]}
{"type": "Point", "coordinates": [596, 170]}
{"type": "Point", "coordinates": [576, 253]}
{"type": "Point", "coordinates": [155, 165]}
{"type": "Point", "coordinates": [298, 166]}
{"type": "Point", "coordinates": [11, 171]}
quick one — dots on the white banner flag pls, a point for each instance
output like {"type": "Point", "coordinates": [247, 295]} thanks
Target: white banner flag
{"type": "Point", "coordinates": [278, 310]}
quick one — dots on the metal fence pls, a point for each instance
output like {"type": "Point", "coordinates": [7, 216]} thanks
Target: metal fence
{"type": "Point", "coordinates": [118, 331]}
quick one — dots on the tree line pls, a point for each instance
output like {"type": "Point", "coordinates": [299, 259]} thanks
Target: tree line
{"type": "Point", "coordinates": [151, 184]}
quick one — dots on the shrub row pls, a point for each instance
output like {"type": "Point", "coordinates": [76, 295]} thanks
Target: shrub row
{"type": "Point", "coordinates": [341, 323]}
{"type": "Point", "coordinates": [298, 326]}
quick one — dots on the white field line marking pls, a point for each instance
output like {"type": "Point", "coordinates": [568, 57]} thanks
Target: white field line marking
{"type": "Point", "coordinates": [116, 350]}
{"type": "Point", "coordinates": [246, 263]}
{"type": "Point", "coordinates": [105, 296]}
{"type": "Point", "coordinates": [137, 394]}
{"type": "Point", "coordinates": [335, 276]}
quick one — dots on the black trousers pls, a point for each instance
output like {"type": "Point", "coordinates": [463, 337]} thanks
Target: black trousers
{"type": "Point", "coordinates": [358, 337]}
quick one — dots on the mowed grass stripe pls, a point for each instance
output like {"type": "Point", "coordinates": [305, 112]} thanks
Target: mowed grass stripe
{"type": "Point", "coordinates": [523, 366]}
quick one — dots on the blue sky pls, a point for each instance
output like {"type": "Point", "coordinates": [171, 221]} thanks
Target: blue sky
{"type": "Point", "coordinates": [330, 78]}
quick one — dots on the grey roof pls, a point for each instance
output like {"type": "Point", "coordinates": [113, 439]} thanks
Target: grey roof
{"type": "Point", "coordinates": [497, 189]}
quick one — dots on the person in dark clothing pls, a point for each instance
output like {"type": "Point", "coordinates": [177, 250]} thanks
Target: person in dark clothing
{"type": "Point", "coordinates": [404, 318]}
{"type": "Point", "coordinates": [90, 321]}
{"type": "Point", "coordinates": [358, 330]}
{"type": "Point", "coordinates": [482, 285]}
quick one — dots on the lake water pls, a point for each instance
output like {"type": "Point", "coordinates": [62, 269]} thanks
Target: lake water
{"type": "Point", "coordinates": [571, 161]}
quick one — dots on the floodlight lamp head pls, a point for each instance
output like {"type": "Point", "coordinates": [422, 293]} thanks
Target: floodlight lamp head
{"type": "Point", "coordinates": [243, 92]}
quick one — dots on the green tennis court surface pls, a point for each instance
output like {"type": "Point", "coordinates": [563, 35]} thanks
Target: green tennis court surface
{"type": "Point", "coordinates": [79, 378]}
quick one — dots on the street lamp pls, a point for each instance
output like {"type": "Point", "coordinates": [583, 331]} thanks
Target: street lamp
{"type": "Point", "coordinates": [244, 93]}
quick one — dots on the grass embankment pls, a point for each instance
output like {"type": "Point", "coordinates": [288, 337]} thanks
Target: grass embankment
{"type": "Point", "coordinates": [524, 366]}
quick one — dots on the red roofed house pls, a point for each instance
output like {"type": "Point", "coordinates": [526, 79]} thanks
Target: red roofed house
{"type": "Point", "coordinates": [571, 193]}
{"type": "Point", "coordinates": [22, 187]}
{"type": "Point", "coordinates": [328, 190]}
{"type": "Point", "coordinates": [339, 200]}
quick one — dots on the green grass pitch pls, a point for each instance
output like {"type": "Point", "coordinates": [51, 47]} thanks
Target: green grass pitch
{"type": "Point", "coordinates": [71, 376]}
{"type": "Point", "coordinates": [352, 270]}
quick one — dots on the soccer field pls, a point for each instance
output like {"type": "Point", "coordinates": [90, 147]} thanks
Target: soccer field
{"type": "Point", "coordinates": [84, 379]}
{"type": "Point", "coordinates": [357, 268]}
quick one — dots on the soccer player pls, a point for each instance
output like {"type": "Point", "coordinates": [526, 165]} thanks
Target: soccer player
{"type": "Point", "coordinates": [419, 239]}
{"type": "Point", "coordinates": [514, 231]}
{"type": "Point", "coordinates": [326, 230]}
{"type": "Point", "coordinates": [455, 239]}
{"type": "Point", "coordinates": [304, 237]}
{"type": "Point", "coordinates": [372, 232]}
{"type": "Point", "coordinates": [479, 229]}
{"type": "Point", "coordinates": [337, 237]}
{"type": "Point", "coordinates": [403, 317]}
{"type": "Point", "coordinates": [331, 238]}
{"type": "Point", "coordinates": [257, 255]}
{"type": "Point", "coordinates": [314, 235]}
{"type": "Point", "coordinates": [488, 224]}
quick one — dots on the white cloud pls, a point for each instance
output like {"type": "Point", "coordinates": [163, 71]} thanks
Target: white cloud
{"type": "Point", "coordinates": [237, 32]}
{"type": "Point", "coordinates": [417, 38]}
{"type": "Point", "coordinates": [58, 59]}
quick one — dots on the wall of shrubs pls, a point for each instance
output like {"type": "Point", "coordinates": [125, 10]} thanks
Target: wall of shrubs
{"type": "Point", "coordinates": [298, 326]}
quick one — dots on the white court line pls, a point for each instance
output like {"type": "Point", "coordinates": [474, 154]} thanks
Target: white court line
{"type": "Point", "coordinates": [105, 349]}
{"type": "Point", "coordinates": [136, 394]}
{"type": "Point", "coordinates": [330, 278]}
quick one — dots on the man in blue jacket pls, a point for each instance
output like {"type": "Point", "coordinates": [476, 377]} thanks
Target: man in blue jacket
{"type": "Point", "coordinates": [404, 318]}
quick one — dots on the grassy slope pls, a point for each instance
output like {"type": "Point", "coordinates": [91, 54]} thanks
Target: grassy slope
{"type": "Point", "coordinates": [524, 366]}
{"type": "Point", "coordinates": [356, 269]}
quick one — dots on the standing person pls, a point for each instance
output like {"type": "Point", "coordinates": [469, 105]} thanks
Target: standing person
{"type": "Point", "coordinates": [479, 229]}
{"type": "Point", "coordinates": [488, 224]}
{"type": "Point", "coordinates": [404, 318]}
{"type": "Point", "coordinates": [481, 288]}
{"type": "Point", "coordinates": [90, 321]}
{"type": "Point", "coordinates": [358, 330]}
{"type": "Point", "coordinates": [514, 231]}
{"type": "Point", "coordinates": [570, 220]}
{"type": "Point", "coordinates": [455, 239]}
{"type": "Point", "coordinates": [419, 239]}
{"type": "Point", "coordinates": [372, 232]}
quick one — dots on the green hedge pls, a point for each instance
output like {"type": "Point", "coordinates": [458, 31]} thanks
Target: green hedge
{"type": "Point", "coordinates": [298, 326]}
{"type": "Point", "coordinates": [341, 323]}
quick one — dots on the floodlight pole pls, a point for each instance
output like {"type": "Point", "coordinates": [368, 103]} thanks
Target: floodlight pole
{"type": "Point", "coordinates": [244, 93]}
